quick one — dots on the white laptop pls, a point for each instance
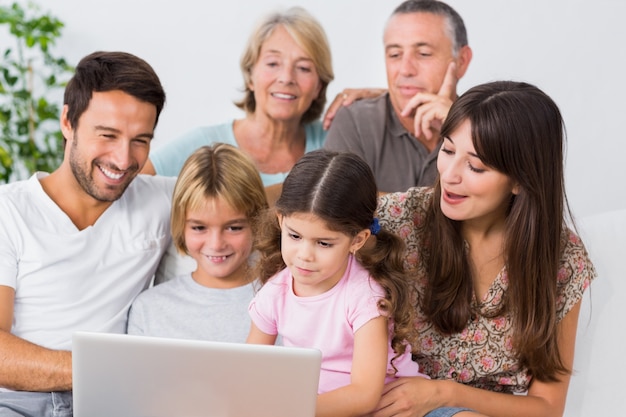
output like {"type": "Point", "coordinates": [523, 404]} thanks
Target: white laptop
{"type": "Point", "coordinates": [136, 376]}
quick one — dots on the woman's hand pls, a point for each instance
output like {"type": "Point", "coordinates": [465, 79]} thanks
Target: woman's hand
{"type": "Point", "coordinates": [413, 397]}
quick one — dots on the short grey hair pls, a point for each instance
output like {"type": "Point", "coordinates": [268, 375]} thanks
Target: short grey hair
{"type": "Point", "coordinates": [455, 26]}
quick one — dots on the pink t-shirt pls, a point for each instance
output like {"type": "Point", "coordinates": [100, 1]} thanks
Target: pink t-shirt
{"type": "Point", "coordinates": [326, 322]}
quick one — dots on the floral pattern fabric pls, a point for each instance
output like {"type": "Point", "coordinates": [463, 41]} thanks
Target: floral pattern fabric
{"type": "Point", "coordinates": [482, 355]}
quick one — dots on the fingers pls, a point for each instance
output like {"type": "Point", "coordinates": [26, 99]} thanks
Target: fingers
{"type": "Point", "coordinates": [417, 100]}
{"type": "Point", "coordinates": [332, 109]}
{"type": "Point", "coordinates": [392, 385]}
{"type": "Point", "coordinates": [347, 97]}
{"type": "Point", "coordinates": [448, 87]}
{"type": "Point", "coordinates": [385, 406]}
{"type": "Point", "coordinates": [392, 402]}
{"type": "Point", "coordinates": [430, 110]}
{"type": "Point", "coordinates": [430, 116]}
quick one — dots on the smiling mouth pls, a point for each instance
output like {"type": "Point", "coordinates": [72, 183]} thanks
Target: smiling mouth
{"type": "Point", "coordinates": [284, 96]}
{"type": "Point", "coordinates": [110, 174]}
{"type": "Point", "coordinates": [222, 258]}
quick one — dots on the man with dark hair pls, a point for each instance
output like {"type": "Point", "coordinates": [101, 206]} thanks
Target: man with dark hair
{"type": "Point", "coordinates": [397, 133]}
{"type": "Point", "coordinates": [77, 245]}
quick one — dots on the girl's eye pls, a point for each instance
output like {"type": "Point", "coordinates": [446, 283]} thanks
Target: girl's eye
{"type": "Point", "coordinates": [446, 151]}
{"type": "Point", "coordinates": [197, 228]}
{"type": "Point", "coordinates": [294, 236]}
{"type": "Point", "coordinates": [235, 228]}
{"type": "Point", "coordinates": [325, 244]}
{"type": "Point", "coordinates": [474, 169]}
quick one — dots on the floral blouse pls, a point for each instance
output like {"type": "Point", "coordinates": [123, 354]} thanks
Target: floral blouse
{"type": "Point", "coordinates": [482, 354]}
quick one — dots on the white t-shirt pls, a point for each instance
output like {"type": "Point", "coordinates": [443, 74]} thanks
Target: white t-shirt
{"type": "Point", "coordinates": [67, 279]}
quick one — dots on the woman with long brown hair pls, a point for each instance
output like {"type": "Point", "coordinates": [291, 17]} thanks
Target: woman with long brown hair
{"type": "Point", "coordinates": [499, 273]}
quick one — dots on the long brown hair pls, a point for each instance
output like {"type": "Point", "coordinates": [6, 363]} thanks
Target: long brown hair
{"type": "Point", "coordinates": [517, 130]}
{"type": "Point", "coordinates": [340, 189]}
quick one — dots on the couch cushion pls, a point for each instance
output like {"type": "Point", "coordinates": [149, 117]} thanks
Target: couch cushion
{"type": "Point", "coordinates": [596, 386]}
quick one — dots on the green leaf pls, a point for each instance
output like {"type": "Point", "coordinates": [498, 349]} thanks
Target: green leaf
{"type": "Point", "coordinates": [21, 110]}
{"type": "Point", "coordinates": [5, 158]}
{"type": "Point", "coordinates": [9, 78]}
{"type": "Point", "coordinates": [30, 41]}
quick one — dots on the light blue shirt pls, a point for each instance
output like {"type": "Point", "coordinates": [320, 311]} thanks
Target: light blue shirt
{"type": "Point", "coordinates": [168, 159]}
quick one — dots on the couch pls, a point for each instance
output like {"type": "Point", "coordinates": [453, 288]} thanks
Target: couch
{"type": "Point", "coordinates": [597, 384]}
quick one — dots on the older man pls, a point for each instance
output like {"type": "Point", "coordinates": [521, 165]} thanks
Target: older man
{"type": "Point", "coordinates": [397, 133]}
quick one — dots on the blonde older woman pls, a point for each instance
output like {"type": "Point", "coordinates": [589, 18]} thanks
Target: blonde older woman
{"type": "Point", "coordinates": [286, 68]}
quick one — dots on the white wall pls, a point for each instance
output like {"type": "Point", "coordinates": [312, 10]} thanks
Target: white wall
{"type": "Point", "coordinates": [572, 49]}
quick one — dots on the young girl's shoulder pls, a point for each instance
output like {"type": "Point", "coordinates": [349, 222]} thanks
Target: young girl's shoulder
{"type": "Point", "coordinates": [278, 283]}
{"type": "Point", "coordinates": [359, 281]}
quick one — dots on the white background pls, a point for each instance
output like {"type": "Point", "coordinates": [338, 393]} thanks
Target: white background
{"type": "Point", "coordinates": [572, 49]}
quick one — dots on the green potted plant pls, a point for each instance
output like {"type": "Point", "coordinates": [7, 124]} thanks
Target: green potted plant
{"type": "Point", "coordinates": [30, 76]}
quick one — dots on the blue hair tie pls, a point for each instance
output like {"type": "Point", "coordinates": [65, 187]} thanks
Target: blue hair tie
{"type": "Point", "coordinates": [375, 226]}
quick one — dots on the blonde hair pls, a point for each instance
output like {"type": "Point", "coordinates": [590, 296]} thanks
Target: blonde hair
{"type": "Point", "coordinates": [218, 171]}
{"type": "Point", "coordinates": [309, 35]}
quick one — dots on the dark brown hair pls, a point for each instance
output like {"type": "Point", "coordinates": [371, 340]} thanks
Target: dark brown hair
{"type": "Point", "coordinates": [108, 71]}
{"type": "Point", "coordinates": [517, 130]}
